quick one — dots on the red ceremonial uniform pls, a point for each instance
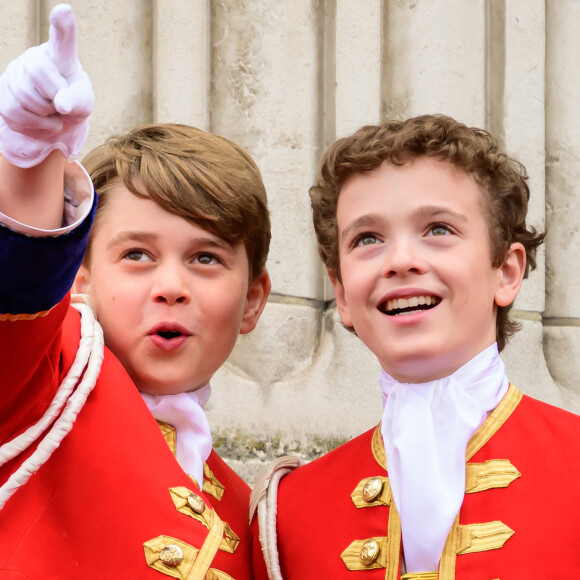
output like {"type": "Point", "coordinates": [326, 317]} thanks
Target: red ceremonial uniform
{"type": "Point", "coordinates": [519, 518]}
{"type": "Point", "coordinates": [112, 496]}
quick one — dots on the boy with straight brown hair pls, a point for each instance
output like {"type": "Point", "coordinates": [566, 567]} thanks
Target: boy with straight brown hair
{"type": "Point", "coordinates": [422, 227]}
{"type": "Point", "coordinates": [175, 270]}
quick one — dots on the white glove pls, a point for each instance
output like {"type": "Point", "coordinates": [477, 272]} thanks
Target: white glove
{"type": "Point", "coordinates": [46, 97]}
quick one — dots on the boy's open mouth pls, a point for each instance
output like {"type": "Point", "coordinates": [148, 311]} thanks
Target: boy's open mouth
{"type": "Point", "coordinates": [169, 331]}
{"type": "Point", "coordinates": [168, 334]}
{"type": "Point", "coordinates": [410, 305]}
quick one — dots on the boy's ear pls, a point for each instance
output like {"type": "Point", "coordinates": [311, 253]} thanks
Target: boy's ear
{"type": "Point", "coordinates": [258, 292]}
{"type": "Point", "coordinates": [339, 296]}
{"type": "Point", "coordinates": [511, 275]}
{"type": "Point", "coordinates": [82, 283]}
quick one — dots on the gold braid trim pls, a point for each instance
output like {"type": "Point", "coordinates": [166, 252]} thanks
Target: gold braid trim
{"type": "Point", "coordinates": [483, 537]}
{"type": "Point", "coordinates": [382, 492]}
{"type": "Point", "coordinates": [420, 576]}
{"type": "Point", "coordinates": [378, 448]}
{"type": "Point", "coordinates": [17, 317]}
{"type": "Point", "coordinates": [180, 496]}
{"type": "Point", "coordinates": [170, 435]}
{"type": "Point", "coordinates": [491, 474]}
{"type": "Point", "coordinates": [211, 485]}
{"type": "Point", "coordinates": [490, 426]}
{"type": "Point", "coordinates": [394, 545]}
{"type": "Point", "coordinates": [394, 525]}
{"type": "Point", "coordinates": [354, 556]}
{"type": "Point", "coordinates": [495, 420]}
{"type": "Point", "coordinates": [182, 570]}
{"type": "Point", "coordinates": [208, 549]}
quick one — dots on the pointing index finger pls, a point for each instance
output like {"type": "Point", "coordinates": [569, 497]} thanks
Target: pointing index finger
{"type": "Point", "coordinates": [62, 39]}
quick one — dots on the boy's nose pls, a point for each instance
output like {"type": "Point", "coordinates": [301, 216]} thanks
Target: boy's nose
{"type": "Point", "coordinates": [402, 258]}
{"type": "Point", "coordinates": [170, 287]}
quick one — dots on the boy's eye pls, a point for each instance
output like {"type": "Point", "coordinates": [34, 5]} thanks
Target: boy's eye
{"type": "Point", "coordinates": [366, 240]}
{"type": "Point", "coordinates": [135, 255]}
{"type": "Point", "coordinates": [207, 259]}
{"type": "Point", "coordinates": [439, 230]}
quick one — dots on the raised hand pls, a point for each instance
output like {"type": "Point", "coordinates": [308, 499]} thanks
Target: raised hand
{"type": "Point", "coordinates": [46, 97]}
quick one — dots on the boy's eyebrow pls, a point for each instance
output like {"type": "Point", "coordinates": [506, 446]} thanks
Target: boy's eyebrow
{"type": "Point", "coordinates": [440, 212]}
{"type": "Point", "coordinates": [141, 236]}
{"type": "Point", "coordinates": [360, 222]}
{"type": "Point", "coordinates": [131, 235]}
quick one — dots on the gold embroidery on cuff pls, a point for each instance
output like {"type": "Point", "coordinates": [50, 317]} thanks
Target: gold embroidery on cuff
{"type": "Point", "coordinates": [491, 474]}
{"type": "Point", "coordinates": [368, 554]}
{"type": "Point", "coordinates": [421, 576]}
{"type": "Point", "coordinates": [16, 317]}
{"type": "Point", "coordinates": [211, 485]}
{"type": "Point", "coordinates": [483, 537]}
{"type": "Point", "coordinates": [155, 554]}
{"type": "Point", "coordinates": [192, 505]}
{"type": "Point", "coordinates": [371, 492]}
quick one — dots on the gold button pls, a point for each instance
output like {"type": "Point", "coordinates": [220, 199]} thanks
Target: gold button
{"type": "Point", "coordinates": [171, 555]}
{"type": "Point", "coordinates": [196, 503]}
{"type": "Point", "coordinates": [369, 552]}
{"type": "Point", "coordinates": [372, 489]}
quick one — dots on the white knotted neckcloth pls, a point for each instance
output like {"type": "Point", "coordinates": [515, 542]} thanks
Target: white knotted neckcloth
{"type": "Point", "coordinates": [425, 429]}
{"type": "Point", "coordinates": [184, 412]}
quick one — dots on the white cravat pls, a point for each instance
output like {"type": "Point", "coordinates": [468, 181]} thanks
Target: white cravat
{"type": "Point", "coordinates": [425, 429]}
{"type": "Point", "coordinates": [184, 411]}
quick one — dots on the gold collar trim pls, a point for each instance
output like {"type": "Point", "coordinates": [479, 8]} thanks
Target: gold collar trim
{"type": "Point", "coordinates": [489, 427]}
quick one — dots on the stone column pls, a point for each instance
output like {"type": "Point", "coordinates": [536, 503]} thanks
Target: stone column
{"type": "Point", "coordinates": [562, 322]}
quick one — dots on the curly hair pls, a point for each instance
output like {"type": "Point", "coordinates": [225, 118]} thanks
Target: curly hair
{"type": "Point", "coordinates": [206, 179]}
{"type": "Point", "coordinates": [502, 180]}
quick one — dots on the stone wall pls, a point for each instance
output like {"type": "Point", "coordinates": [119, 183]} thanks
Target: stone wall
{"type": "Point", "coordinates": [285, 79]}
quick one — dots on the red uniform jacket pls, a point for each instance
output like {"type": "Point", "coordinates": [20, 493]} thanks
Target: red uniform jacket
{"type": "Point", "coordinates": [112, 496]}
{"type": "Point", "coordinates": [520, 517]}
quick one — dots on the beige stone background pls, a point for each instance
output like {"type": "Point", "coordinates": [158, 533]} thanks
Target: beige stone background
{"type": "Point", "coordinates": [284, 78]}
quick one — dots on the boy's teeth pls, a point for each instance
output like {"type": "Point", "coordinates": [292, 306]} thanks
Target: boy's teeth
{"type": "Point", "coordinates": [400, 303]}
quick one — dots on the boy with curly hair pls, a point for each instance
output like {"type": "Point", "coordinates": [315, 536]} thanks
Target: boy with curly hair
{"type": "Point", "coordinates": [422, 227]}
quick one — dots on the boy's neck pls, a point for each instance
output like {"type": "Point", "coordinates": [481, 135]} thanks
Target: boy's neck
{"type": "Point", "coordinates": [428, 377]}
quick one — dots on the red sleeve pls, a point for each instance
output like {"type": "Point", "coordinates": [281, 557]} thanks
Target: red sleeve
{"type": "Point", "coordinates": [30, 358]}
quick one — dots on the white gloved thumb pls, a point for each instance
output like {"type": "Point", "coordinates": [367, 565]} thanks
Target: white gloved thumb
{"type": "Point", "coordinates": [46, 97]}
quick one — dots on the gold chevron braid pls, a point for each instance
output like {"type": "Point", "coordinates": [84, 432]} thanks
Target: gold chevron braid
{"type": "Point", "coordinates": [483, 537]}
{"type": "Point", "coordinates": [211, 484]}
{"type": "Point", "coordinates": [491, 474]}
{"type": "Point", "coordinates": [181, 499]}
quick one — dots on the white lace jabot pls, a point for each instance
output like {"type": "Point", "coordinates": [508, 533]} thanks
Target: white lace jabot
{"type": "Point", "coordinates": [184, 412]}
{"type": "Point", "coordinates": [425, 429]}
